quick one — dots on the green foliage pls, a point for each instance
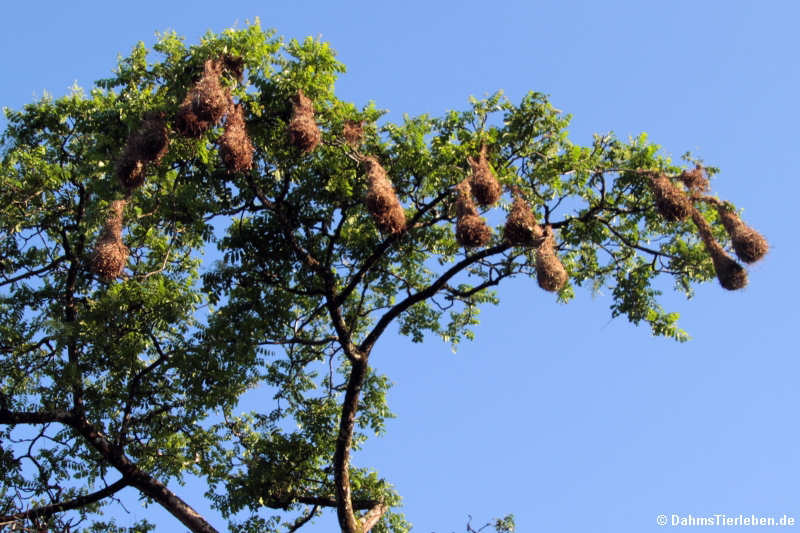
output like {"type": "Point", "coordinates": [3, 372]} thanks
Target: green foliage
{"type": "Point", "coordinates": [160, 358]}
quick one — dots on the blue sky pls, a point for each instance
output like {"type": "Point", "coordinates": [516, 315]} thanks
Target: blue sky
{"type": "Point", "coordinates": [569, 420]}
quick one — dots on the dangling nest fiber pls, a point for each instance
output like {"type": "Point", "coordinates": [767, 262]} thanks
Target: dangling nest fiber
{"type": "Point", "coordinates": [521, 228]}
{"type": "Point", "coordinates": [303, 130]}
{"type": "Point", "coordinates": [550, 272]}
{"type": "Point", "coordinates": [695, 179]}
{"type": "Point", "coordinates": [114, 219]}
{"type": "Point", "coordinates": [148, 144]}
{"type": "Point", "coordinates": [484, 184]}
{"type": "Point", "coordinates": [731, 275]}
{"type": "Point", "coordinates": [471, 229]}
{"type": "Point", "coordinates": [235, 146]}
{"type": "Point", "coordinates": [749, 245]}
{"type": "Point", "coordinates": [205, 104]}
{"type": "Point", "coordinates": [382, 202]}
{"type": "Point", "coordinates": [671, 202]}
{"type": "Point", "coordinates": [353, 132]}
{"type": "Point", "coordinates": [110, 254]}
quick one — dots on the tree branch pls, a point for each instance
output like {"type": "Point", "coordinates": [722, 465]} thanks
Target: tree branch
{"type": "Point", "coordinates": [303, 520]}
{"type": "Point", "coordinates": [147, 484]}
{"type": "Point", "coordinates": [75, 503]}
{"type": "Point", "coordinates": [383, 246]}
{"type": "Point", "coordinates": [55, 263]}
{"type": "Point", "coordinates": [134, 476]}
{"type": "Point", "coordinates": [369, 341]}
{"type": "Point", "coordinates": [36, 417]}
{"type": "Point", "coordinates": [327, 501]}
{"type": "Point", "coordinates": [344, 441]}
{"type": "Point", "coordinates": [371, 518]}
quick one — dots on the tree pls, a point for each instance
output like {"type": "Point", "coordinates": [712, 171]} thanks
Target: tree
{"type": "Point", "coordinates": [123, 353]}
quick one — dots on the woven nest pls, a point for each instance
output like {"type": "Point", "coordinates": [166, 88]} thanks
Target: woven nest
{"type": "Point", "coordinates": [109, 258]}
{"type": "Point", "coordinates": [471, 229]}
{"type": "Point", "coordinates": [110, 254]}
{"type": "Point", "coordinates": [233, 65]}
{"type": "Point", "coordinates": [303, 130]}
{"type": "Point", "coordinates": [205, 104]}
{"type": "Point", "coordinates": [521, 228]}
{"type": "Point", "coordinates": [749, 245]}
{"type": "Point", "coordinates": [381, 200]}
{"type": "Point", "coordinates": [148, 144]}
{"type": "Point", "coordinates": [235, 146]}
{"type": "Point", "coordinates": [695, 179]}
{"type": "Point", "coordinates": [671, 202]}
{"type": "Point", "coordinates": [731, 275]}
{"type": "Point", "coordinates": [484, 184]}
{"type": "Point", "coordinates": [130, 172]}
{"type": "Point", "coordinates": [353, 132]}
{"type": "Point", "coordinates": [550, 272]}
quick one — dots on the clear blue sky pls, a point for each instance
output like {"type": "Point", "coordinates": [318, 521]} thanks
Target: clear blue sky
{"type": "Point", "coordinates": [569, 420]}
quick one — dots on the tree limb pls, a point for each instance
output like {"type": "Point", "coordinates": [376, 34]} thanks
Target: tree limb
{"type": "Point", "coordinates": [344, 441]}
{"type": "Point", "coordinates": [369, 341]}
{"type": "Point", "coordinates": [80, 501]}
{"type": "Point", "coordinates": [369, 520]}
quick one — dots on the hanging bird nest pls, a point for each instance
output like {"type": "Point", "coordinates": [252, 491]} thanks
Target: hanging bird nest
{"type": "Point", "coordinates": [484, 184]}
{"type": "Point", "coordinates": [381, 200]}
{"type": "Point", "coordinates": [130, 172]}
{"type": "Point", "coordinates": [234, 65]}
{"type": "Point", "coordinates": [109, 258]}
{"type": "Point", "coordinates": [731, 275]}
{"type": "Point", "coordinates": [521, 228]}
{"type": "Point", "coordinates": [110, 254]}
{"type": "Point", "coordinates": [303, 130]}
{"type": "Point", "coordinates": [147, 145]}
{"type": "Point", "coordinates": [671, 202]}
{"type": "Point", "coordinates": [205, 104]}
{"type": "Point", "coordinates": [353, 132]}
{"type": "Point", "coordinates": [235, 146]}
{"type": "Point", "coordinates": [471, 229]}
{"type": "Point", "coordinates": [550, 272]}
{"type": "Point", "coordinates": [695, 179]}
{"type": "Point", "coordinates": [749, 245]}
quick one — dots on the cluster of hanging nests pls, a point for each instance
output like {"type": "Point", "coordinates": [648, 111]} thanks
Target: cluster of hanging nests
{"type": "Point", "coordinates": [675, 204]}
{"type": "Point", "coordinates": [208, 102]}
{"type": "Point", "coordinates": [205, 106]}
{"type": "Point", "coordinates": [521, 227]}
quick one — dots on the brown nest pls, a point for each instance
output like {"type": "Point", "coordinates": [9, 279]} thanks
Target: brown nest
{"type": "Point", "coordinates": [148, 144]}
{"type": "Point", "coordinates": [234, 65]}
{"type": "Point", "coordinates": [303, 130]}
{"type": "Point", "coordinates": [550, 272]}
{"type": "Point", "coordinates": [381, 200]}
{"type": "Point", "coordinates": [749, 245]}
{"type": "Point", "coordinates": [731, 275]}
{"type": "Point", "coordinates": [114, 218]}
{"type": "Point", "coordinates": [521, 228]}
{"type": "Point", "coordinates": [484, 184]}
{"type": "Point", "coordinates": [671, 202]}
{"type": "Point", "coordinates": [695, 179]}
{"type": "Point", "coordinates": [205, 104]}
{"type": "Point", "coordinates": [471, 229]}
{"type": "Point", "coordinates": [130, 172]}
{"type": "Point", "coordinates": [110, 254]}
{"type": "Point", "coordinates": [353, 132]}
{"type": "Point", "coordinates": [235, 146]}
